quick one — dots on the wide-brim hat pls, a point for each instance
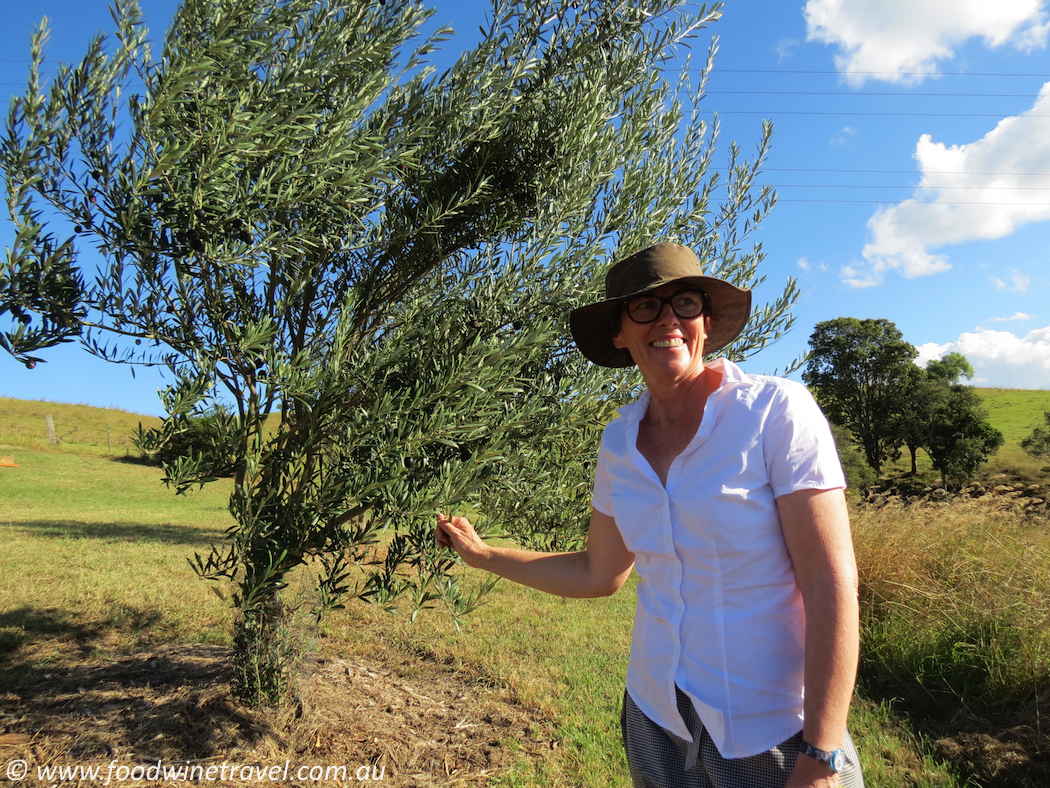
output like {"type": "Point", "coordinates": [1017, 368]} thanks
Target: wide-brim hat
{"type": "Point", "coordinates": [728, 306]}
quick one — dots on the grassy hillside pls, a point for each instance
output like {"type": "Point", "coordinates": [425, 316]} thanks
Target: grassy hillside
{"type": "Point", "coordinates": [83, 429]}
{"type": "Point", "coordinates": [1015, 413]}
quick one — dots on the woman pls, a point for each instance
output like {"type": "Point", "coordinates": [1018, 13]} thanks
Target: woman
{"type": "Point", "coordinates": [724, 491]}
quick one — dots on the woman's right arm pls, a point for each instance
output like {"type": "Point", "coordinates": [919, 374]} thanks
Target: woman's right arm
{"type": "Point", "coordinates": [597, 570]}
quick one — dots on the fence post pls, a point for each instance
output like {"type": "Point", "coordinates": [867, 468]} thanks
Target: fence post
{"type": "Point", "coordinates": [51, 430]}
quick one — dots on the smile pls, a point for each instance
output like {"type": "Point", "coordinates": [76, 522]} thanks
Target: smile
{"type": "Point", "coordinates": [677, 342]}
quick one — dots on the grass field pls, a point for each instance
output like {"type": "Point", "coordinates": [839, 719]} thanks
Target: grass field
{"type": "Point", "coordinates": [1015, 413]}
{"type": "Point", "coordinates": [93, 553]}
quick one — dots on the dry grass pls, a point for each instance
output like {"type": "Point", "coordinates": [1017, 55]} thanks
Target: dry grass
{"type": "Point", "coordinates": [81, 428]}
{"type": "Point", "coordinates": [956, 628]}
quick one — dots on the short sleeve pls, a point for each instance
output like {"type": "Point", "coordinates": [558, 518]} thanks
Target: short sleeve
{"type": "Point", "coordinates": [601, 499]}
{"type": "Point", "coordinates": [798, 446]}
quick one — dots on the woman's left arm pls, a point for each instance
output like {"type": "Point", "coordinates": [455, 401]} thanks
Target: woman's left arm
{"type": "Point", "coordinates": [816, 529]}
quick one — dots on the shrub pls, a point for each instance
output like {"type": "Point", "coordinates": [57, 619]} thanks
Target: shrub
{"type": "Point", "coordinates": [206, 435]}
{"type": "Point", "coordinates": [859, 475]}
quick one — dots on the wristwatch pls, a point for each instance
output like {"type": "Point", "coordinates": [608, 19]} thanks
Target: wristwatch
{"type": "Point", "coordinates": [836, 759]}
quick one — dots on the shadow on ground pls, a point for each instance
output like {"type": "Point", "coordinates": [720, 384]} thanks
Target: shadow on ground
{"type": "Point", "coordinates": [163, 533]}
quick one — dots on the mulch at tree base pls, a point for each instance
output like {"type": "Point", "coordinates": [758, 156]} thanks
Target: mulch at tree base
{"type": "Point", "coordinates": [388, 716]}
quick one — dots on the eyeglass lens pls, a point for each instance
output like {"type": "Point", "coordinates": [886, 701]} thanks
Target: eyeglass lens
{"type": "Point", "coordinates": [686, 304]}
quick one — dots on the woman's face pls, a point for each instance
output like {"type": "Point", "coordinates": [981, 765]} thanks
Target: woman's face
{"type": "Point", "coordinates": [669, 348]}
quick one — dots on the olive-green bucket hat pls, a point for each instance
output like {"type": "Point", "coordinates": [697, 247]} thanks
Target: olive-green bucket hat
{"type": "Point", "coordinates": [728, 306]}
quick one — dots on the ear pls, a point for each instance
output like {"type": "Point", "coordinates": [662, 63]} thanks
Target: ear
{"type": "Point", "coordinates": [617, 325]}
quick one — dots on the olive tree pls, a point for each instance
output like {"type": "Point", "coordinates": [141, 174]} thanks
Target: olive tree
{"type": "Point", "coordinates": [369, 264]}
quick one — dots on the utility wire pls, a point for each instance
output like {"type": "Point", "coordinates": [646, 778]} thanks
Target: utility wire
{"type": "Point", "coordinates": [939, 202]}
{"type": "Point", "coordinates": [893, 172]}
{"type": "Point", "coordinates": [847, 94]}
{"type": "Point", "coordinates": [869, 114]}
{"type": "Point", "coordinates": [717, 70]}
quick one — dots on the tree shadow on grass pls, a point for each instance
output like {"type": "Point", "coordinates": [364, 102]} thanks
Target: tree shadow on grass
{"type": "Point", "coordinates": [35, 642]}
{"type": "Point", "coordinates": [169, 702]}
{"type": "Point", "coordinates": [163, 533]}
{"type": "Point", "coordinates": [172, 704]}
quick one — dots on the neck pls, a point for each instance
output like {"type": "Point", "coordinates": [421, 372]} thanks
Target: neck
{"type": "Point", "coordinates": [681, 401]}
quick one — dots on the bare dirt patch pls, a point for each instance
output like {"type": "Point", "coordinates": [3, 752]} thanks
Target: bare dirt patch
{"type": "Point", "coordinates": [386, 715]}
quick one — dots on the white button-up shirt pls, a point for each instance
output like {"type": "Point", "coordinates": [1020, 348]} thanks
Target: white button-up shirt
{"type": "Point", "coordinates": [719, 611]}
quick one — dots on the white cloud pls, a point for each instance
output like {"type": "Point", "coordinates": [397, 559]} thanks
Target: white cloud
{"type": "Point", "coordinates": [806, 265]}
{"type": "Point", "coordinates": [1018, 282]}
{"type": "Point", "coordinates": [905, 39]}
{"type": "Point", "coordinates": [854, 278]}
{"type": "Point", "coordinates": [783, 48]}
{"type": "Point", "coordinates": [1000, 358]}
{"type": "Point", "coordinates": [1017, 317]}
{"type": "Point", "coordinates": [977, 191]}
{"type": "Point", "coordinates": [843, 136]}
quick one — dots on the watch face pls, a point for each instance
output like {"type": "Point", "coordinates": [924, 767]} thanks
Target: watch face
{"type": "Point", "coordinates": [837, 762]}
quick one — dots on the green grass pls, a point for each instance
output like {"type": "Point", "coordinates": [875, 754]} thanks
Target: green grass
{"type": "Point", "coordinates": [93, 553]}
{"type": "Point", "coordinates": [1015, 413]}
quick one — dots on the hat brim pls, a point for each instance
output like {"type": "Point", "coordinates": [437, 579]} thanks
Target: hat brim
{"type": "Point", "coordinates": [593, 330]}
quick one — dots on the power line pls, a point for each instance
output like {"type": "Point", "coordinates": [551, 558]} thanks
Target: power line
{"type": "Point", "coordinates": [869, 114]}
{"type": "Point", "coordinates": [717, 70]}
{"type": "Point", "coordinates": [939, 202]}
{"type": "Point", "coordinates": [895, 172]}
{"type": "Point", "coordinates": [854, 94]}
{"type": "Point", "coordinates": [915, 187]}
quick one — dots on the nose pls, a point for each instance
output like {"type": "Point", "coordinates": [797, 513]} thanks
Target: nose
{"type": "Point", "coordinates": [666, 310]}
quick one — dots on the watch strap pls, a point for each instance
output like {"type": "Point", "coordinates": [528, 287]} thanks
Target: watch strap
{"type": "Point", "coordinates": [836, 759]}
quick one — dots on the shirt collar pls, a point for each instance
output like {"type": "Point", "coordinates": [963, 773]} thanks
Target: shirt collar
{"type": "Point", "coordinates": [732, 376]}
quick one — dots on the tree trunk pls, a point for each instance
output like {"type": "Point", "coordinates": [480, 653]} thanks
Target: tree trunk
{"type": "Point", "coordinates": [261, 655]}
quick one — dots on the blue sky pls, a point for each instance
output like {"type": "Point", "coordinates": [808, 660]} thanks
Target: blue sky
{"type": "Point", "coordinates": [911, 155]}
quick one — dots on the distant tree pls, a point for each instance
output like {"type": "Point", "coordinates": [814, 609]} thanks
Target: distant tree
{"type": "Point", "coordinates": [961, 438]}
{"type": "Point", "coordinates": [371, 262]}
{"type": "Point", "coordinates": [927, 390]}
{"type": "Point", "coordinates": [1037, 445]}
{"type": "Point", "coordinates": [915, 418]}
{"type": "Point", "coordinates": [950, 368]}
{"type": "Point", "coordinates": [946, 419]}
{"type": "Point", "coordinates": [859, 372]}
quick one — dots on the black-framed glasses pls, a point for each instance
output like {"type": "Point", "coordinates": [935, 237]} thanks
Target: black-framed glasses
{"type": "Point", "coordinates": [687, 304]}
